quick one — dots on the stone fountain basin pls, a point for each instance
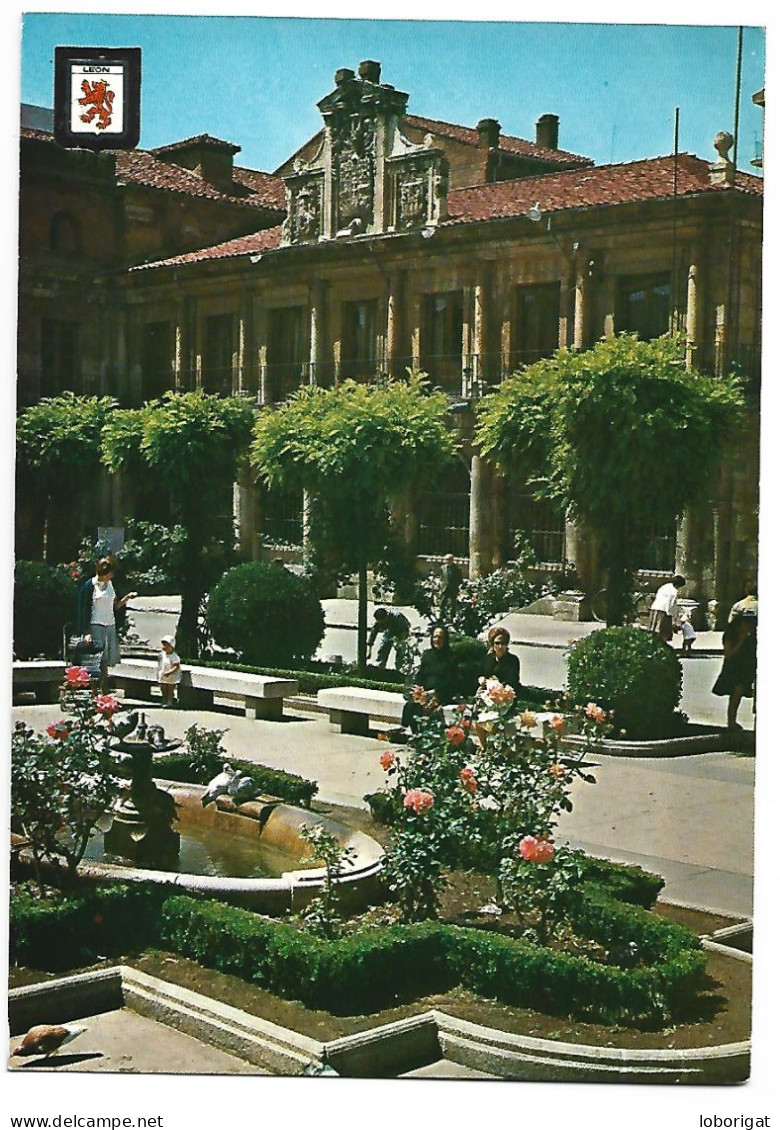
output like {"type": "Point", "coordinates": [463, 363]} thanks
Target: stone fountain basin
{"type": "Point", "coordinates": [279, 826]}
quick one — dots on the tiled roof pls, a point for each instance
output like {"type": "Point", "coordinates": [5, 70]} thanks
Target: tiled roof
{"type": "Point", "coordinates": [197, 142]}
{"type": "Point", "coordinates": [589, 188]}
{"type": "Point", "coordinates": [243, 246]}
{"type": "Point", "coordinates": [140, 166]}
{"type": "Point", "coordinates": [470, 136]}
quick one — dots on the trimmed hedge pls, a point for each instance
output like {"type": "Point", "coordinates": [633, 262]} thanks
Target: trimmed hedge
{"type": "Point", "coordinates": [309, 682]}
{"type": "Point", "coordinates": [70, 932]}
{"type": "Point", "coordinates": [276, 782]}
{"type": "Point", "coordinates": [661, 967]}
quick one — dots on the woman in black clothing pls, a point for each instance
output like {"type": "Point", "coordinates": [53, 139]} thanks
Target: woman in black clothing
{"type": "Point", "coordinates": [738, 674]}
{"type": "Point", "coordinates": [436, 677]}
{"type": "Point", "coordinates": [501, 664]}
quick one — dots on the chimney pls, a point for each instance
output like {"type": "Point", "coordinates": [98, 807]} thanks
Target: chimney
{"type": "Point", "coordinates": [369, 70]}
{"type": "Point", "coordinates": [343, 74]}
{"type": "Point", "coordinates": [547, 131]}
{"type": "Point", "coordinates": [489, 131]}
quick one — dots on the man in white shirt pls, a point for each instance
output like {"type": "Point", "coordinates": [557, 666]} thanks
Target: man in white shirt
{"type": "Point", "coordinates": [665, 609]}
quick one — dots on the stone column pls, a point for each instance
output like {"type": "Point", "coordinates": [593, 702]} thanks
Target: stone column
{"type": "Point", "coordinates": [317, 299]}
{"type": "Point", "coordinates": [261, 319]}
{"type": "Point", "coordinates": [581, 304]}
{"type": "Point", "coordinates": [692, 319]}
{"type": "Point", "coordinates": [246, 513]}
{"type": "Point", "coordinates": [467, 337]}
{"type": "Point", "coordinates": [394, 335]}
{"type": "Point", "coordinates": [479, 516]}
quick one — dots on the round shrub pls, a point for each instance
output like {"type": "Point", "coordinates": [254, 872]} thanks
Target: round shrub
{"type": "Point", "coordinates": [265, 612]}
{"type": "Point", "coordinates": [44, 602]}
{"type": "Point", "coordinates": [632, 672]}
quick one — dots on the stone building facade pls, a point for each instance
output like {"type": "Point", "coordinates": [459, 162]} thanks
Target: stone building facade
{"type": "Point", "coordinates": [408, 242]}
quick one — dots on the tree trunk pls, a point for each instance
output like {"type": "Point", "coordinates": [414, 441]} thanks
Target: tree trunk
{"type": "Point", "coordinates": [362, 632]}
{"type": "Point", "coordinates": [620, 583]}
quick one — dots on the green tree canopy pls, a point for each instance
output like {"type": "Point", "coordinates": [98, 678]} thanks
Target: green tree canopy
{"type": "Point", "coordinates": [58, 450]}
{"type": "Point", "coordinates": [354, 448]}
{"type": "Point", "coordinates": [623, 435]}
{"type": "Point", "coordinates": [191, 444]}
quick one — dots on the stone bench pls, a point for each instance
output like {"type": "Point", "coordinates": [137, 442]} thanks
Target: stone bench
{"type": "Point", "coordinates": [262, 695]}
{"type": "Point", "coordinates": [44, 676]}
{"type": "Point", "coordinates": [350, 708]}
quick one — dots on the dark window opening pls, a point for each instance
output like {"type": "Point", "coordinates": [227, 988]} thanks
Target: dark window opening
{"type": "Point", "coordinates": [60, 362]}
{"type": "Point", "coordinates": [541, 523]}
{"type": "Point", "coordinates": [644, 306]}
{"type": "Point", "coordinates": [444, 516]}
{"type": "Point", "coordinates": [286, 368]}
{"type": "Point", "coordinates": [217, 367]}
{"type": "Point", "coordinates": [441, 339]}
{"type": "Point", "coordinates": [282, 518]}
{"type": "Point", "coordinates": [537, 320]}
{"type": "Point", "coordinates": [156, 360]}
{"type": "Point", "coordinates": [657, 554]}
{"type": "Point", "coordinates": [65, 234]}
{"type": "Point", "coordinates": [359, 357]}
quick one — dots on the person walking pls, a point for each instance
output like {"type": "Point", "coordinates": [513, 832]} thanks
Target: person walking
{"type": "Point", "coordinates": [96, 615]}
{"type": "Point", "coordinates": [738, 674]}
{"type": "Point", "coordinates": [748, 603]}
{"type": "Point", "coordinates": [451, 580]}
{"type": "Point", "coordinates": [665, 609]}
{"type": "Point", "coordinates": [394, 629]}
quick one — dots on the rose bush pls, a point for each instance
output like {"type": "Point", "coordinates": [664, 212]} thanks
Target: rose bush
{"type": "Point", "coordinates": [484, 791]}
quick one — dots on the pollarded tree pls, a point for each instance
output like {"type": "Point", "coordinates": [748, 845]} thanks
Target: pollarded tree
{"type": "Point", "coordinates": [623, 435]}
{"type": "Point", "coordinates": [58, 459]}
{"type": "Point", "coordinates": [355, 448]}
{"type": "Point", "coordinates": [190, 445]}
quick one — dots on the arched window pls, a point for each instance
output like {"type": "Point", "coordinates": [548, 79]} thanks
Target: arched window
{"type": "Point", "coordinates": [65, 234]}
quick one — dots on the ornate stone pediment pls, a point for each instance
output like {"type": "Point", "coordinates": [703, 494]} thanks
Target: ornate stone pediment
{"type": "Point", "coordinates": [304, 208]}
{"type": "Point", "coordinates": [367, 177]}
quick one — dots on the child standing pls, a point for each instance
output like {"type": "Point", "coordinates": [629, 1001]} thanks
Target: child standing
{"type": "Point", "coordinates": [168, 670]}
{"type": "Point", "coordinates": [688, 634]}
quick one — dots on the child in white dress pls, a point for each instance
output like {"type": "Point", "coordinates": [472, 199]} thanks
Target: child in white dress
{"type": "Point", "coordinates": [168, 670]}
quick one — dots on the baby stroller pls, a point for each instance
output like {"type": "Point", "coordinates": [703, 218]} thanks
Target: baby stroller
{"type": "Point", "coordinates": [78, 651]}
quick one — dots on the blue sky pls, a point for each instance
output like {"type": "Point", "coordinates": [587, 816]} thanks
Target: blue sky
{"type": "Point", "coordinates": [256, 81]}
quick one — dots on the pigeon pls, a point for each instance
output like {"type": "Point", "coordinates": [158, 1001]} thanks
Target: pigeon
{"type": "Point", "coordinates": [46, 1039]}
{"type": "Point", "coordinates": [241, 789]}
{"type": "Point", "coordinates": [124, 724]}
{"type": "Point", "coordinates": [156, 736]}
{"type": "Point", "coordinates": [218, 785]}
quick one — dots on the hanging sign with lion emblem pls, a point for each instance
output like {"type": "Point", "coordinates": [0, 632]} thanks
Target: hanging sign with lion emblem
{"type": "Point", "coordinates": [97, 97]}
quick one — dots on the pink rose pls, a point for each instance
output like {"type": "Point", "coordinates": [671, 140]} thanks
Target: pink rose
{"type": "Point", "coordinates": [595, 713]}
{"type": "Point", "coordinates": [468, 780]}
{"type": "Point", "coordinates": [455, 734]}
{"type": "Point", "coordinates": [387, 759]}
{"type": "Point", "coordinates": [419, 800]}
{"type": "Point", "coordinates": [77, 677]}
{"type": "Point", "coordinates": [556, 770]}
{"type": "Point", "coordinates": [536, 849]}
{"type": "Point", "coordinates": [557, 723]}
{"type": "Point", "coordinates": [499, 694]}
{"type": "Point", "coordinates": [107, 704]}
{"type": "Point", "coordinates": [58, 730]}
